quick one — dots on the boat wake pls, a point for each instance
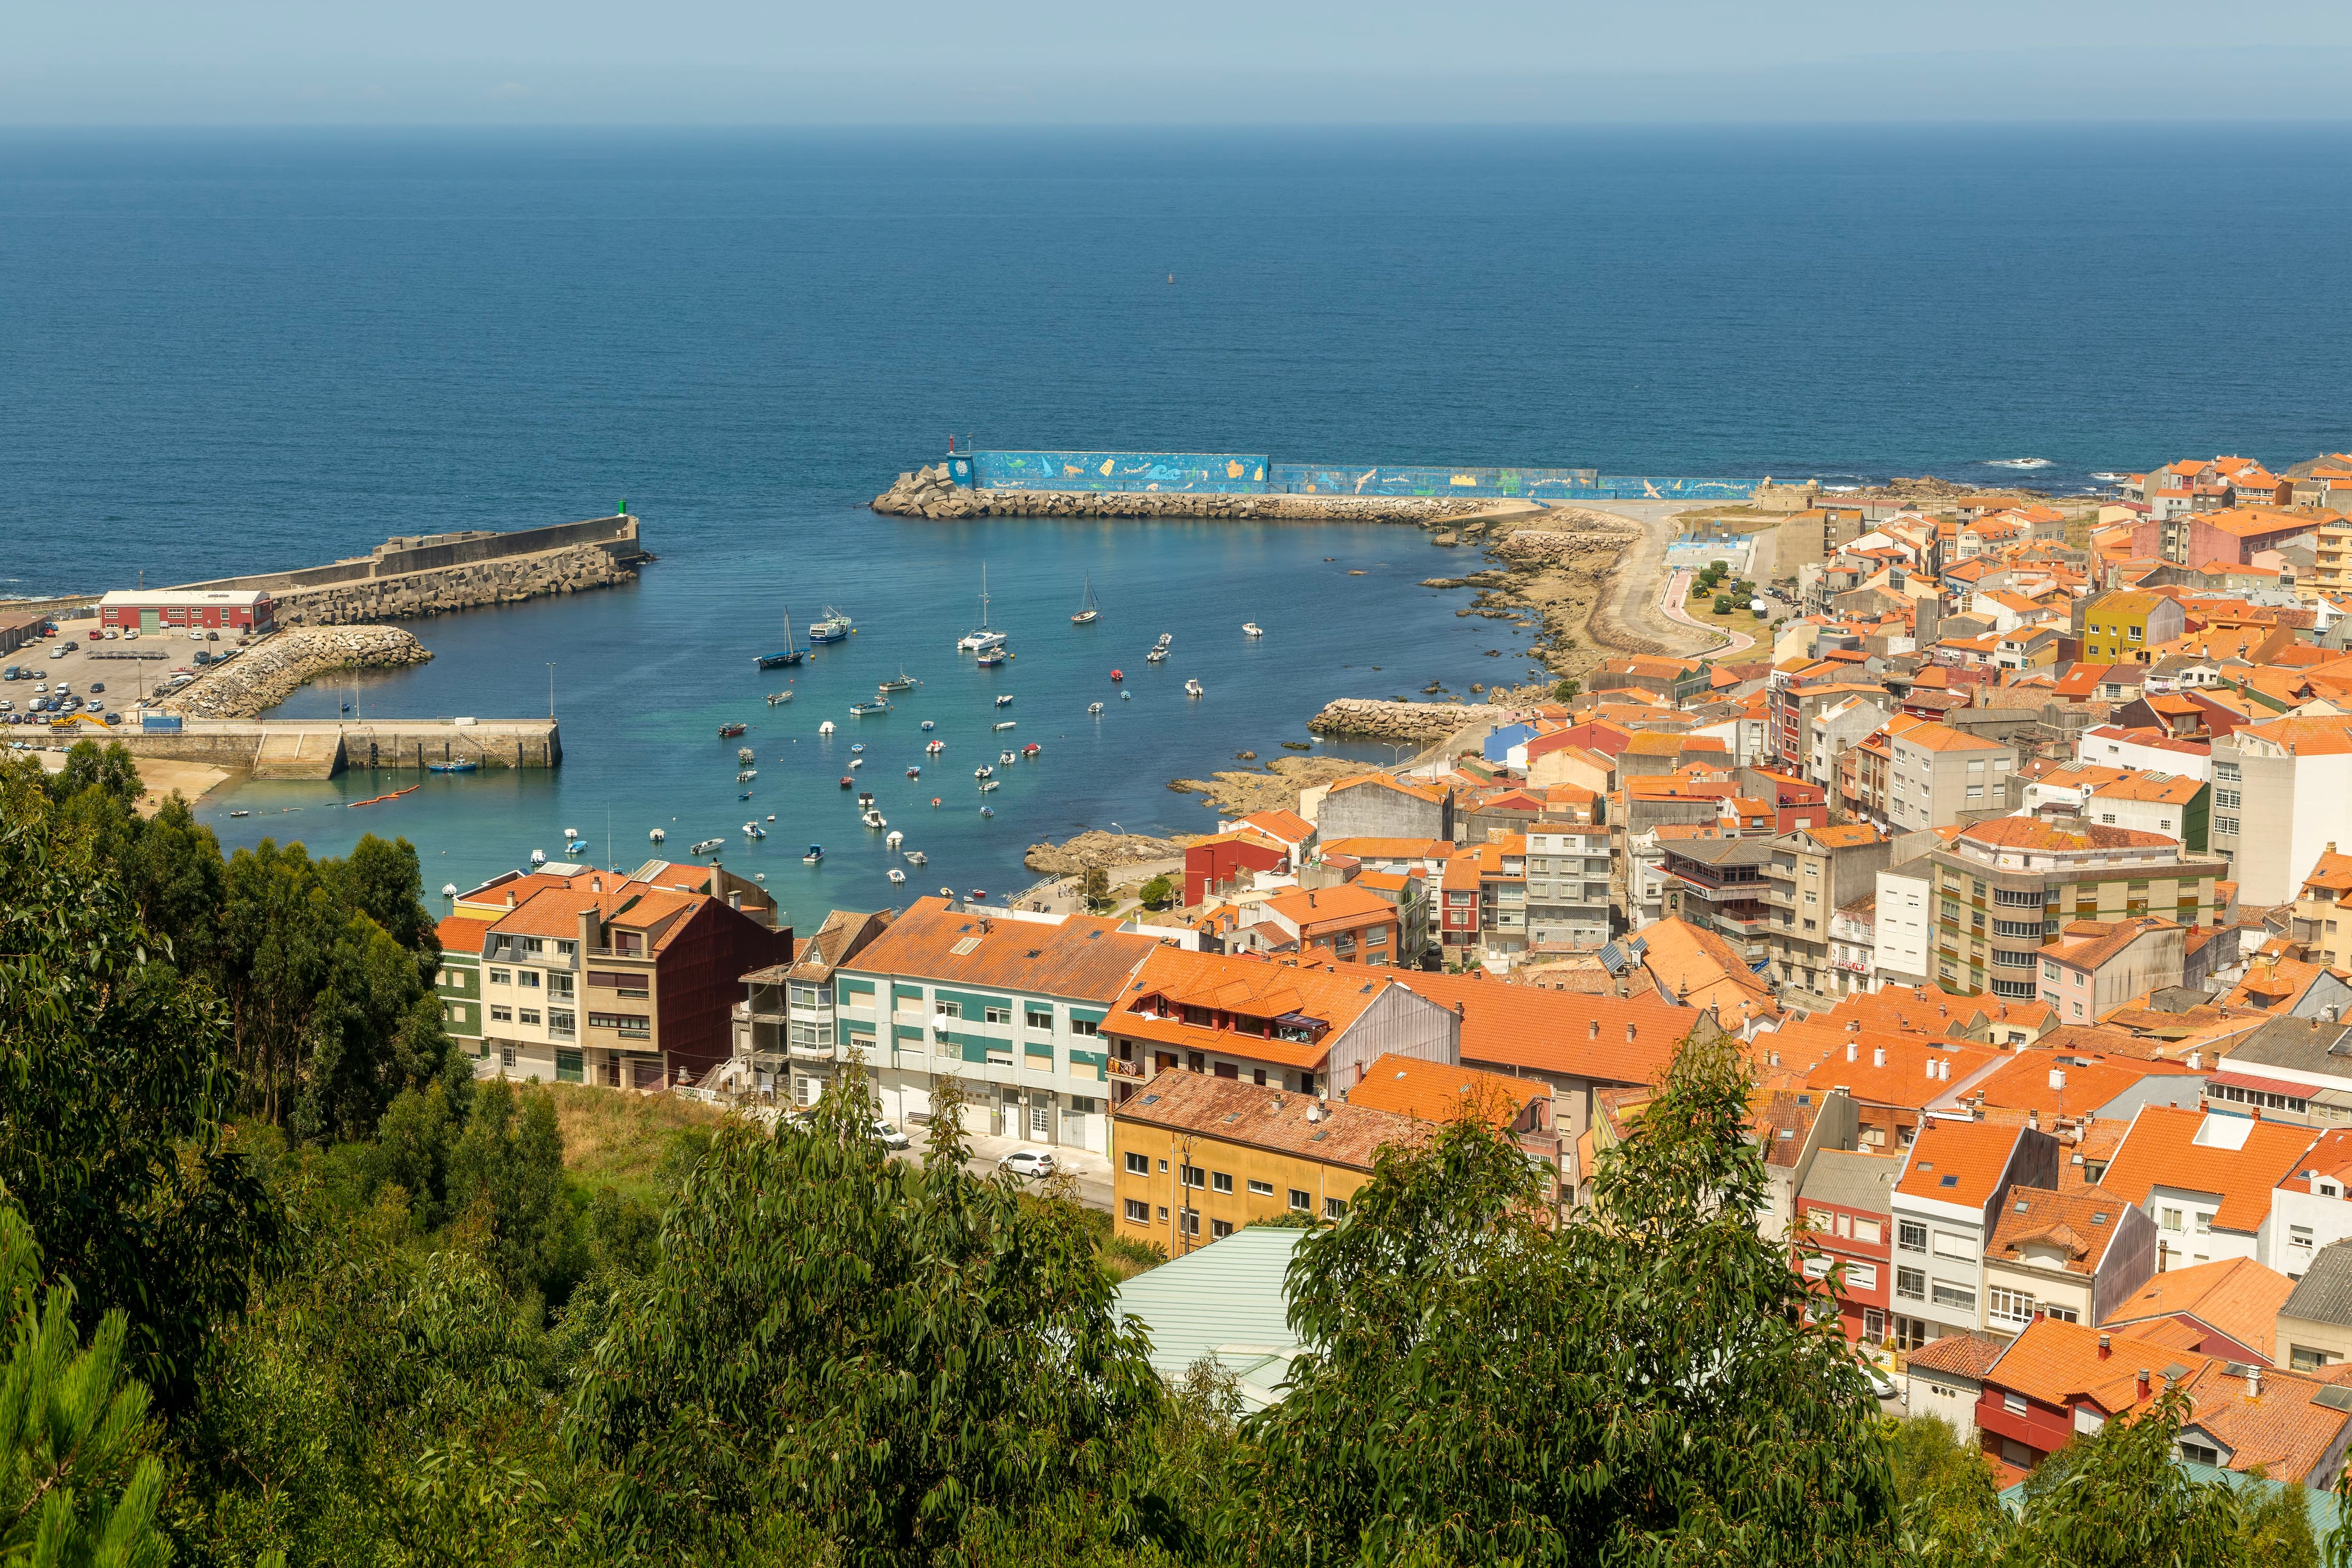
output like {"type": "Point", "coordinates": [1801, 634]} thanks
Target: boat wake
{"type": "Point", "coordinates": [2017, 462]}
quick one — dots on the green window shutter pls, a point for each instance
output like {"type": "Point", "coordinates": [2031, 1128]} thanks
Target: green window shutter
{"type": "Point", "coordinates": [1038, 1048]}
{"type": "Point", "coordinates": [908, 993]}
{"type": "Point", "coordinates": [1089, 1058]}
{"type": "Point", "coordinates": [567, 1067]}
{"type": "Point", "coordinates": [1089, 1015]}
{"type": "Point", "coordinates": [859, 987]}
{"type": "Point", "coordinates": [974, 1051]}
{"type": "Point", "coordinates": [975, 1003]}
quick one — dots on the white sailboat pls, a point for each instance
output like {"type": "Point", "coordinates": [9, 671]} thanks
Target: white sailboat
{"type": "Point", "coordinates": [981, 640]}
{"type": "Point", "coordinates": [1088, 612]}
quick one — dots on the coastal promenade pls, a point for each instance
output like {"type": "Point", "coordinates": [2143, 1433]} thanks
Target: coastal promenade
{"type": "Point", "coordinates": [1671, 599]}
{"type": "Point", "coordinates": [321, 748]}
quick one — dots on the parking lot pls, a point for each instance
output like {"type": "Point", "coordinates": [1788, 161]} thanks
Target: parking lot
{"type": "Point", "coordinates": [109, 674]}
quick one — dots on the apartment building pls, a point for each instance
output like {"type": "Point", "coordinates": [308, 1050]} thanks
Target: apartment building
{"type": "Point", "coordinates": [1197, 1157]}
{"type": "Point", "coordinates": [2172, 804]}
{"type": "Point", "coordinates": [458, 981]}
{"type": "Point", "coordinates": [2075, 1256]}
{"type": "Point", "coordinates": [2282, 794]}
{"type": "Point", "coordinates": [2120, 628]}
{"type": "Point", "coordinates": [2004, 887]}
{"type": "Point", "coordinates": [2094, 966]}
{"type": "Point", "coordinates": [1936, 773]}
{"type": "Point", "coordinates": [1312, 1030]}
{"type": "Point", "coordinates": [1847, 1204]}
{"type": "Point", "coordinates": [1568, 887]}
{"type": "Point", "coordinates": [1903, 921]}
{"type": "Point", "coordinates": [1810, 874]}
{"type": "Point", "coordinates": [1011, 1002]}
{"type": "Point", "coordinates": [2323, 910]}
{"type": "Point", "coordinates": [2206, 1178]}
{"type": "Point", "coordinates": [1341, 924]}
{"type": "Point", "coordinates": [784, 1044]}
{"type": "Point", "coordinates": [1946, 1205]}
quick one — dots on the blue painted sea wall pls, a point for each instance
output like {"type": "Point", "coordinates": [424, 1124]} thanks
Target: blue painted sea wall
{"type": "Point", "coordinates": [1253, 473]}
{"type": "Point", "coordinates": [1232, 473]}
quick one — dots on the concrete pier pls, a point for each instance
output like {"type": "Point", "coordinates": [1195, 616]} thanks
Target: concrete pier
{"type": "Point", "coordinates": [321, 748]}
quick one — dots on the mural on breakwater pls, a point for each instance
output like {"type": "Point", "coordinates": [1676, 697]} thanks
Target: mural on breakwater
{"type": "Point", "coordinates": [1199, 471]}
{"type": "Point", "coordinates": [1251, 475]}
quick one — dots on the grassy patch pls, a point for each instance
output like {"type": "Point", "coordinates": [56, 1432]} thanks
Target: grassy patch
{"type": "Point", "coordinates": [618, 1139]}
{"type": "Point", "coordinates": [1700, 606]}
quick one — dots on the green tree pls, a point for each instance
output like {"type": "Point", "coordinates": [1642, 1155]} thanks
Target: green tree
{"type": "Point", "coordinates": [1157, 892]}
{"type": "Point", "coordinates": [382, 881]}
{"type": "Point", "coordinates": [79, 1484]}
{"type": "Point", "coordinates": [110, 770]}
{"type": "Point", "coordinates": [889, 1352]}
{"type": "Point", "coordinates": [2121, 1500]}
{"type": "Point", "coordinates": [2278, 1532]}
{"type": "Point", "coordinates": [508, 1171]}
{"type": "Point", "coordinates": [114, 1082]}
{"type": "Point", "coordinates": [1951, 1510]}
{"type": "Point", "coordinates": [173, 874]}
{"type": "Point", "coordinates": [1567, 689]}
{"type": "Point", "coordinates": [1094, 884]}
{"type": "Point", "coordinates": [1648, 1382]}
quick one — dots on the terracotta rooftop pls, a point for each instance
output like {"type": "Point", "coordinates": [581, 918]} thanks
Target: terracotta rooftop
{"type": "Point", "coordinates": [1234, 1111]}
{"type": "Point", "coordinates": [1081, 958]}
{"type": "Point", "coordinates": [1434, 1091]}
{"type": "Point", "coordinates": [2236, 1159]}
{"type": "Point", "coordinates": [460, 935]}
{"type": "Point", "coordinates": [2032, 833]}
{"type": "Point", "coordinates": [2237, 1297]}
{"type": "Point", "coordinates": [1958, 1162]}
{"type": "Point", "coordinates": [1616, 1039]}
{"type": "Point", "coordinates": [2076, 1226]}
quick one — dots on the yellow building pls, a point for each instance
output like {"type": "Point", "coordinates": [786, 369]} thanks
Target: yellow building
{"type": "Point", "coordinates": [2121, 628]}
{"type": "Point", "coordinates": [1196, 1158]}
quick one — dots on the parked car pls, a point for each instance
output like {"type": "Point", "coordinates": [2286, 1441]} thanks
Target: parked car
{"type": "Point", "coordinates": [212, 636]}
{"type": "Point", "coordinates": [114, 718]}
{"type": "Point", "coordinates": [131, 633]}
{"type": "Point", "coordinates": [71, 645]}
{"type": "Point", "coordinates": [889, 1135]}
{"type": "Point", "coordinates": [1033, 1163]}
{"type": "Point", "coordinates": [57, 653]}
{"type": "Point", "coordinates": [97, 686]}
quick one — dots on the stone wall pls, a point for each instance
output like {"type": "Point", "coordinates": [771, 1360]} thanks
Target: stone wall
{"type": "Point", "coordinates": [927, 493]}
{"type": "Point", "coordinates": [273, 669]}
{"type": "Point", "coordinates": [409, 595]}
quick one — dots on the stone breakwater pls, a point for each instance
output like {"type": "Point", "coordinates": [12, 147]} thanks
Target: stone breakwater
{"type": "Point", "coordinates": [1391, 721]}
{"type": "Point", "coordinates": [411, 595]}
{"type": "Point", "coordinates": [927, 493]}
{"type": "Point", "coordinates": [274, 669]}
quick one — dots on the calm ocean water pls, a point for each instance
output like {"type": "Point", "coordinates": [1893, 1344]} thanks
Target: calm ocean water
{"type": "Point", "coordinates": [226, 352]}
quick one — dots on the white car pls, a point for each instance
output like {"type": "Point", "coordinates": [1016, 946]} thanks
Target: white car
{"type": "Point", "coordinates": [1027, 1163]}
{"type": "Point", "coordinates": [886, 1133]}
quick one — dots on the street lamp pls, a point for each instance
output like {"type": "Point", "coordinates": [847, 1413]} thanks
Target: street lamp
{"type": "Point", "coordinates": [550, 688]}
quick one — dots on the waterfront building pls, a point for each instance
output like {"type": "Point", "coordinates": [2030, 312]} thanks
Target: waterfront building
{"type": "Point", "coordinates": [1310, 1028]}
{"type": "Point", "coordinates": [2003, 886]}
{"type": "Point", "coordinates": [458, 981]}
{"type": "Point", "coordinates": [1198, 1158]}
{"type": "Point", "coordinates": [1011, 1002]}
{"type": "Point", "coordinates": [150, 611]}
{"type": "Point", "coordinates": [784, 1029]}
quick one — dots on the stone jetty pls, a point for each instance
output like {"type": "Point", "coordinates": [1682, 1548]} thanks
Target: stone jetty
{"type": "Point", "coordinates": [275, 668]}
{"type": "Point", "coordinates": [927, 493]}
{"type": "Point", "coordinates": [411, 595]}
{"type": "Point", "coordinates": [1364, 719]}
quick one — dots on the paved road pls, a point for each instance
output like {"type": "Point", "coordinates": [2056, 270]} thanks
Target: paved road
{"type": "Point", "coordinates": [1091, 1171]}
{"type": "Point", "coordinates": [1669, 603]}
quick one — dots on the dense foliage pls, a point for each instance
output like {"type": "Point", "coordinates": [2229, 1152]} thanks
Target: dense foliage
{"type": "Point", "coordinates": [279, 1279]}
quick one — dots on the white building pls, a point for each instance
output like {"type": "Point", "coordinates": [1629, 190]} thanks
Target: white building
{"type": "Point", "coordinates": [1956, 1176]}
{"type": "Point", "coordinates": [1854, 945]}
{"type": "Point", "coordinates": [2282, 793]}
{"type": "Point", "coordinates": [1902, 925]}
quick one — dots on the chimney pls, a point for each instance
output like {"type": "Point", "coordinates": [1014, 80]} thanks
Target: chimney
{"type": "Point", "coordinates": [1930, 1066]}
{"type": "Point", "coordinates": [1596, 1030]}
{"type": "Point", "coordinates": [1628, 1033]}
{"type": "Point", "coordinates": [595, 885]}
{"type": "Point", "coordinates": [1850, 1049]}
{"type": "Point", "coordinates": [2143, 1382]}
{"type": "Point", "coordinates": [734, 898]}
{"type": "Point", "coordinates": [2033, 1119]}
{"type": "Point", "coordinates": [1853, 1025]}
{"type": "Point", "coordinates": [2196, 1060]}
{"type": "Point", "coordinates": [510, 901]}
{"type": "Point", "coordinates": [2105, 1349]}
{"type": "Point", "coordinates": [1943, 1070]}
{"type": "Point", "coordinates": [2253, 1381]}
{"type": "Point", "coordinates": [1878, 1056]}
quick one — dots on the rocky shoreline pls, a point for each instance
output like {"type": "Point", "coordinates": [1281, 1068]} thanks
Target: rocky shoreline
{"type": "Point", "coordinates": [274, 669]}
{"type": "Point", "coordinates": [1367, 718]}
{"type": "Point", "coordinates": [1095, 847]}
{"type": "Point", "coordinates": [928, 493]}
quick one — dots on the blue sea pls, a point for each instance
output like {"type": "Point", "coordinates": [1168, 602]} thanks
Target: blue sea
{"type": "Point", "coordinates": [233, 351]}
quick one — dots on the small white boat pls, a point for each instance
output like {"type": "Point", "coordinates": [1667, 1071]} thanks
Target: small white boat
{"type": "Point", "coordinates": [569, 834]}
{"type": "Point", "coordinates": [917, 857]}
{"type": "Point", "coordinates": [657, 835]}
{"type": "Point", "coordinates": [1252, 629]}
{"type": "Point", "coordinates": [898, 877]}
{"type": "Point", "coordinates": [872, 819]}
{"type": "Point", "coordinates": [926, 724]}
{"type": "Point", "coordinates": [746, 776]}
{"type": "Point", "coordinates": [1005, 700]}
{"type": "Point", "coordinates": [1008, 724]}
{"type": "Point", "coordinates": [1156, 656]}
{"type": "Point", "coordinates": [1094, 707]}
{"type": "Point", "coordinates": [539, 857]}
{"type": "Point", "coordinates": [772, 816]}
{"type": "Point", "coordinates": [983, 771]}
{"type": "Point", "coordinates": [1191, 688]}
{"type": "Point", "coordinates": [825, 728]}
{"type": "Point", "coordinates": [1164, 639]}
{"type": "Point", "coordinates": [753, 831]}
{"type": "Point", "coordinates": [1007, 759]}
{"type": "Point", "coordinates": [857, 762]}
{"type": "Point", "coordinates": [240, 811]}
{"type": "Point", "coordinates": [895, 839]}
{"type": "Point", "coordinates": [936, 747]}
{"type": "Point", "coordinates": [777, 698]}
{"type": "Point", "coordinates": [986, 785]}
{"type": "Point", "coordinates": [706, 845]}
{"type": "Point", "coordinates": [815, 853]}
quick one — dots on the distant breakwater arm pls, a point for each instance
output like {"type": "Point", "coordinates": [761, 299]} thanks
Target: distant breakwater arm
{"type": "Point", "coordinates": [927, 493]}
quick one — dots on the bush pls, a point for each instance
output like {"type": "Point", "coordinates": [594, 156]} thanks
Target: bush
{"type": "Point", "coordinates": [1723, 604]}
{"type": "Point", "coordinates": [1156, 893]}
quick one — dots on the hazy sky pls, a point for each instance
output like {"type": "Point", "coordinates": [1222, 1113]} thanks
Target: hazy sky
{"type": "Point", "coordinates": [1203, 61]}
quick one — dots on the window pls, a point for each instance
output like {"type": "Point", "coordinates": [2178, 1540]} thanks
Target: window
{"type": "Point", "coordinates": [948, 1009]}
{"type": "Point", "coordinates": [1816, 1267]}
{"type": "Point", "coordinates": [568, 1067]}
{"type": "Point", "coordinates": [2009, 1306]}
{"type": "Point", "coordinates": [1911, 1235]}
{"type": "Point", "coordinates": [2225, 824]}
{"type": "Point", "coordinates": [1083, 1026]}
{"type": "Point", "coordinates": [558, 985]}
{"type": "Point", "coordinates": [1950, 1245]}
{"type": "Point", "coordinates": [561, 1020]}
{"type": "Point", "coordinates": [2170, 1220]}
{"type": "Point", "coordinates": [1138, 1211]}
{"type": "Point", "coordinates": [1043, 1022]}
{"type": "Point", "coordinates": [1219, 1181]}
{"type": "Point", "coordinates": [1861, 1276]}
{"type": "Point", "coordinates": [529, 1016]}
{"type": "Point", "coordinates": [809, 1036]}
{"type": "Point", "coordinates": [803, 995]}
{"type": "Point", "coordinates": [527, 979]}
{"type": "Point", "coordinates": [2012, 1403]}
{"type": "Point", "coordinates": [2303, 1358]}
{"type": "Point", "coordinates": [2299, 1236]}
{"type": "Point", "coordinates": [501, 1015]}
{"type": "Point", "coordinates": [1911, 1282]}
{"type": "Point", "coordinates": [1334, 1209]}
{"type": "Point", "coordinates": [1189, 1221]}
{"type": "Point", "coordinates": [1138, 1164]}
{"type": "Point", "coordinates": [1260, 1189]}
{"type": "Point", "coordinates": [1960, 1298]}
{"type": "Point", "coordinates": [502, 977]}
{"type": "Point", "coordinates": [1874, 1324]}
{"type": "Point", "coordinates": [2198, 1453]}
{"type": "Point", "coordinates": [1301, 1200]}
{"type": "Point", "coordinates": [996, 1015]}
{"type": "Point", "coordinates": [635, 1025]}
{"type": "Point", "coordinates": [1819, 1219]}
{"type": "Point", "coordinates": [1192, 1175]}
{"type": "Point", "coordinates": [1868, 1230]}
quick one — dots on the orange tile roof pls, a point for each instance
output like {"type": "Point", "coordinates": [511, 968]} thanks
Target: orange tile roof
{"type": "Point", "coordinates": [2087, 944]}
{"type": "Point", "coordinates": [1389, 849]}
{"type": "Point", "coordinates": [460, 935]}
{"type": "Point", "coordinates": [1234, 1111]}
{"type": "Point", "coordinates": [1388, 781]}
{"type": "Point", "coordinates": [1318, 910]}
{"type": "Point", "coordinates": [1957, 1161]}
{"type": "Point", "coordinates": [2032, 833]}
{"type": "Point", "coordinates": [554, 913]}
{"type": "Point", "coordinates": [2312, 737]}
{"type": "Point", "coordinates": [1081, 958]}
{"type": "Point", "coordinates": [1943, 737]}
{"type": "Point", "coordinates": [2177, 791]}
{"type": "Point", "coordinates": [2054, 1361]}
{"type": "Point", "coordinates": [1617, 1040]}
{"type": "Point", "coordinates": [2237, 1296]}
{"type": "Point", "coordinates": [2162, 1148]}
{"type": "Point", "coordinates": [1287, 826]}
{"type": "Point", "coordinates": [1434, 1091]}
{"type": "Point", "coordinates": [2023, 1084]}
{"type": "Point", "coordinates": [1901, 1080]}
{"type": "Point", "coordinates": [2079, 1223]}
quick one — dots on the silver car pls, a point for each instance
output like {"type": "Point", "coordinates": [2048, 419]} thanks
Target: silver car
{"type": "Point", "coordinates": [886, 1133]}
{"type": "Point", "coordinates": [1033, 1163]}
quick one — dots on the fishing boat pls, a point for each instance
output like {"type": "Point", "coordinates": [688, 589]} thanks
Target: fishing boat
{"type": "Point", "coordinates": [1156, 656]}
{"type": "Point", "coordinates": [857, 762]}
{"type": "Point", "coordinates": [983, 771]}
{"type": "Point", "coordinates": [865, 800]}
{"type": "Point", "coordinates": [743, 756]}
{"type": "Point", "coordinates": [977, 893]}
{"type": "Point", "coordinates": [895, 840]}
{"type": "Point", "coordinates": [815, 853]}
{"type": "Point", "coordinates": [1094, 707]}
{"type": "Point", "coordinates": [936, 747]}
{"type": "Point", "coordinates": [983, 638]}
{"type": "Point", "coordinates": [903, 683]}
{"type": "Point", "coordinates": [240, 811]}
{"type": "Point", "coordinates": [825, 728]}
{"type": "Point", "coordinates": [897, 876]}
{"type": "Point", "coordinates": [729, 731]}
{"type": "Point", "coordinates": [867, 709]}
{"type": "Point", "coordinates": [914, 773]}
{"type": "Point", "coordinates": [539, 857]}
{"type": "Point", "coordinates": [657, 835]}
{"type": "Point", "coordinates": [1191, 688]}
{"type": "Point", "coordinates": [746, 776]}
{"type": "Point", "coordinates": [1088, 614]}
{"type": "Point", "coordinates": [790, 653]}
{"type": "Point", "coordinates": [467, 765]}
{"type": "Point", "coordinates": [1032, 749]}
{"type": "Point", "coordinates": [988, 810]}
{"type": "Point", "coordinates": [776, 698]}
{"type": "Point", "coordinates": [992, 658]}
{"type": "Point", "coordinates": [846, 780]}
{"type": "Point", "coordinates": [707, 846]}
{"type": "Point", "coordinates": [1252, 629]}
{"type": "Point", "coordinates": [833, 626]}
{"type": "Point", "coordinates": [875, 820]}
{"type": "Point", "coordinates": [917, 857]}
{"type": "Point", "coordinates": [1118, 674]}
{"type": "Point", "coordinates": [1006, 758]}
{"type": "Point", "coordinates": [753, 831]}
{"type": "Point", "coordinates": [855, 746]}
{"type": "Point", "coordinates": [1004, 699]}
{"type": "Point", "coordinates": [928, 724]}
{"type": "Point", "coordinates": [1007, 724]}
